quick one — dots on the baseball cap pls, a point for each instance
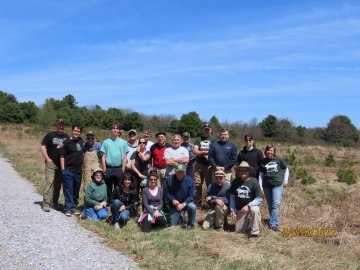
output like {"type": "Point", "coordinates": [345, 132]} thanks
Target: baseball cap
{"type": "Point", "coordinates": [132, 131]}
{"type": "Point", "coordinates": [90, 133]}
{"type": "Point", "coordinates": [207, 125]}
{"type": "Point", "coordinates": [219, 173]}
{"type": "Point", "coordinates": [60, 121]}
{"type": "Point", "coordinates": [186, 134]}
{"type": "Point", "coordinates": [180, 168]}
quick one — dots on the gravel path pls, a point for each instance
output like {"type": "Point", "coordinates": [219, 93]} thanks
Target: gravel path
{"type": "Point", "coordinates": [33, 239]}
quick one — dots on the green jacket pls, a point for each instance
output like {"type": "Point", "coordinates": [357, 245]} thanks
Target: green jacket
{"type": "Point", "coordinates": [95, 194]}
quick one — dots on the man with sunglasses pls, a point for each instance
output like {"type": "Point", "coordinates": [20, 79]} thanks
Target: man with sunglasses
{"type": "Point", "coordinates": [251, 155]}
{"type": "Point", "coordinates": [92, 158]}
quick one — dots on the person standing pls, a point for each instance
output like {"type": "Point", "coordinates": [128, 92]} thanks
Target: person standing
{"type": "Point", "coordinates": [222, 154]}
{"type": "Point", "coordinates": [157, 156]}
{"type": "Point", "coordinates": [273, 176]}
{"type": "Point", "coordinates": [189, 146]}
{"type": "Point", "coordinates": [50, 150]}
{"type": "Point", "coordinates": [133, 144]}
{"type": "Point", "coordinates": [202, 168]}
{"type": "Point", "coordinates": [180, 193]}
{"type": "Point", "coordinates": [175, 155]}
{"type": "Point", "coordinates": [92, 158]}
{"type": "Point", "coordinates": [146, 136]}
{"type": "Point", "coordinates": [218, 200]}
{"type": "Point", "coordinates": [245, 199]}
{"type": "Point", "coordinates": [113, 160]}
{"type": "Point", "coordinates": [71, 162]}
{"type": "Point", "coordinates": [251, 155]}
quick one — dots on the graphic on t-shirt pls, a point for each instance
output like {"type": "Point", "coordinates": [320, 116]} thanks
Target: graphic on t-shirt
{"type": "Point", "coordinates": [272, 167]}
{"type": "Point", "coordinates": [58, 141]}
{"type": "Point", "coordinates": [205, 145]}
{"type": "Point", "coordinates": [243, 192]}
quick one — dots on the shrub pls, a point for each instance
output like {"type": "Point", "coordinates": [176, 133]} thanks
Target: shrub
{"type": "Point", "coordinates": [347, 175]}
{"type": "Point", "coordinates": [306, 178]}
{"type": "Point", "coordinates": [329, 161]}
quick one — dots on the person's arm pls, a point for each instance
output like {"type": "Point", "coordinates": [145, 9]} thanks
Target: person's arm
{"type": "Point", "coordinates": [43, 151]}
{"type": "Point", "coordinates": [286, 176]}
{"type": "Point", "coordinates": [255, 202]}
{"type": "Point", "coordinates": [261, 177]}
{"type": "Point", "coordinates": [103, 161]}
{"type": "Point", "coordinates": [211, 157]}
{"type": "Point", "coordinates": [144, 156]}
{"type": "Point", "coordinates": [167, 190]}
{"type": "Point", "coordinates": [191, 193]}
{"type": "Point", "coordinates": [88, 197]}
{"type": "Point", "coordinates": [123, 163]}
{"type": "Point", "coordinates": [133, 166]}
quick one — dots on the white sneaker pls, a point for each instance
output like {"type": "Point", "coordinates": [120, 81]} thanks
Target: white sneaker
{"type": "Point", "coordinates": [116, 226]}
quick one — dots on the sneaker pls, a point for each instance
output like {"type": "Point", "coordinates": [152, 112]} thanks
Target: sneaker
{"type": "Point", "coordinates": [68, 214]}
{"type": "Point", "coordinates": [46, 208]}
{"type": "Point", "coordinates": [253, 238]}
{"type": "Point", "coordinates": [116, 226]}
{"type": "Point", "coordinates": [205, 225]}
{"type": "Point", "coordinates": [83, 215]}
{"type": "Point", "coordinates": [76, 212]}
{"type": "Point", "coordinates": [275, 228]}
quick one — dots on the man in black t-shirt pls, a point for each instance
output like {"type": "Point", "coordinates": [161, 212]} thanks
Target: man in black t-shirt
{"type": "Point", "coordinates": [245, 198]}
{"type": "Point", "coordinates": [50, 150]}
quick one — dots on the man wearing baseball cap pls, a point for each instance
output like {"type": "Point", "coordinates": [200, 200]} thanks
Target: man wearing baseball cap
{"type": "Point", "coordinates": [180, 193]}
{"type": "Point", "coordinates": [50, 150]}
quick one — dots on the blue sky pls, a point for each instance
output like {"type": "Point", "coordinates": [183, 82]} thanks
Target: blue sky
{"type": "Point", "coordinates": [238, 60]}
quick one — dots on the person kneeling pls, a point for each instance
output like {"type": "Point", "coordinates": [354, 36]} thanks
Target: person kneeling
{"type": "Point", "coordinates": [217, 199]}
{"type": "Point", "coordinates": [152, 197]}
{"type": "Point", "coordinates": [245, 198]}
{"type": "Point", "coordinates": [96, 197]}
{"type": "Point", "coordinates": [180, 192]}
{"type": "Point", "coordinates": [125, 200]}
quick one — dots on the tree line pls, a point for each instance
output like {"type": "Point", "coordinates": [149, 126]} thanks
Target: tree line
{"type": "Point", "coordinates": [340, 130]}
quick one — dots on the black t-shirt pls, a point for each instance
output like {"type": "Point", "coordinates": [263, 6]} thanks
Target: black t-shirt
{"type": "Point", "coordinates": [204, 145]}
{"type": "Point", "coordinates": [245, 192]}
{"type": "Point", "coordinates": [53, 142]}
{"type": "Point", "coordinates": [73, 153]}
{"type": "Point", "coordinates": [141, 165]}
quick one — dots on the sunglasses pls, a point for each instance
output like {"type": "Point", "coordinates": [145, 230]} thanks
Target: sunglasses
{"type": "Point", "coordinates": [153, 179]}
{"type": "Point", "coordinates": [90, 138]}
{"type": "Point", "coordinates": [142, 142]}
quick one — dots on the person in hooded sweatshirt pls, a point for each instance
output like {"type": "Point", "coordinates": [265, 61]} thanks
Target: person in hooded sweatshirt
{"type": "Point", "coordinates": [251, 155]}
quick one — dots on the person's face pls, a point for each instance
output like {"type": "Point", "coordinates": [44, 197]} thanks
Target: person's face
{"type": "Point", "coordinates": [60, 128]}
{"type": "Point", "coordinates": [132, 136]}
{"type": "Point", "coordinates": [224, 136]}
{"type": "Point", "coordinates": [115, 131]}
{"type": "Point", "coordinates": [180, 175]}
{"type": "Point", "coordinates": [249, 142]}
{"type": "Point", "coordinates": [146, 135]}
{"type": "Point", "coordinates": [186, 139]}
{"type": "Point", "coordinates": [76, 132]}
{"type": "Point", "coordinates": [244, 174]}
{"type": "Point", "coordinates": [90, 139]}
{"type": "Point", "coordinates": [175, 143]}
{"type": "Point", "coordinates": [127, 182]}
{"type": "Point", "coordinates": [142, 143]}
{"type": "Point", "coordinates": [152, 181]}
{"type": "Point", "coordinates": [270, 153]}
{"type": "Point", "coordinates": [207, 132]}
{"type": "Point", "coordinates": [98, 177]}
{"type": "Point", "coordinates": [220, 180]}
{"type": "Point", "coordinates": [161, 139]}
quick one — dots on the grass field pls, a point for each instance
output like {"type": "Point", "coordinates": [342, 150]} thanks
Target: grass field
{"type": "Point", "coordinates": [327, 203]}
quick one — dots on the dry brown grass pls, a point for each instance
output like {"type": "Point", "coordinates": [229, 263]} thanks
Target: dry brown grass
{"type": "Point", "coordinates": [327, 203]}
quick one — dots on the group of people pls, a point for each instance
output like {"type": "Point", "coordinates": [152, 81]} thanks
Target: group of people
{"type": "Point", "coordinates": [160, 182]}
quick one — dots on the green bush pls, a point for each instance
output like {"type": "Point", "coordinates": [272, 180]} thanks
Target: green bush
{"type": "Point", "coordinates": [308, 180]}
{"type": "Point", "coordinates": [347, 175]}
{"type": "Point", "coordinates": [329, 161]}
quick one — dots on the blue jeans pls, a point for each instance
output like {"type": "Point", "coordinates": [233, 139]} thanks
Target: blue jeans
{"type": "Point", "coordinates": [273, 197]}
{"type": "Point", "coordinates": [94, 215]}
{"type": "Point", "coordinates": [121, 217]}
{"type": "Point", "coordinates": [176, 218]}
{"type": "Point", "coordinates": [71, 187]}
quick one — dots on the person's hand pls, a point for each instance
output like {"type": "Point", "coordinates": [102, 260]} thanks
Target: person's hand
{"type": "Point", "coordinates": [157, 214]}
{"type": "Point", "coordinates": [208, 198]}
{"type": "Point", "coordinates": [122, 208]}
{"type": "Point", "coordinates": [175, 203]}
{"type": "Point", "coordinates": [285, 185]}
{"type": "Point", "coordinates": [233, 216]}
{"type": "Point", "coordinates": [103, 204]}
{"type": "Point", "coordinates": [98, 207]}
{"type": "Point", "coordinates": [245, 209]}
{"type": "Point", "coordinates": [220, 203]}
{"type": "Point", "coordinates": [180, 206]}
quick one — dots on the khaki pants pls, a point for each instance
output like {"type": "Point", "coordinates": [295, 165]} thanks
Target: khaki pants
{"type": "Point", "coordinates": [161, 180]}
{"type": "Point", "coordinates": [91, 163]}
{"type": "Point", "coordinates": [202, 179]}
{"type": "Point", "coordinates": [53, 180]}
{"type": "Point", "coordinates": [250, 222]}
{"type": "Point", "coordinates": [215, 218]}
